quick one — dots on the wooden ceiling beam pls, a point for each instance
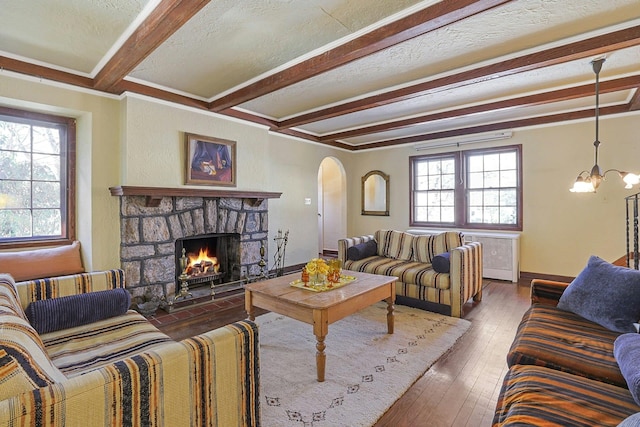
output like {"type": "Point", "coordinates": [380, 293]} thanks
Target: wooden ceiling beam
{"type": "Point", "coordinates": [520, 102]}
{"type": "Point", "coordinates": [493, 127]}
{"type": "Point", "coordinates": [162, 22]}
{"type": "Point", "coordinates": [29, 69]}
{"type": "Point", "coordinates": [431, 18]}
{"type": "Point", "coordinates": [577, 50]}
{"type": "Point", "coordinates": [634, 105]}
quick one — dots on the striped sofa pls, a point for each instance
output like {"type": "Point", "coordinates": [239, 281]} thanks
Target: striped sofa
{"type": "Point", "coordinates": [409, 257]}
{"type": "Point", "coordinates": [562, 369]}
{"type": "Point", "coordinates": [119, 371]}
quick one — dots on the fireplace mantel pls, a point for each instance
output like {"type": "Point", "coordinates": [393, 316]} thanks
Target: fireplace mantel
{"type": "Point", "coordinates": [155, 194]}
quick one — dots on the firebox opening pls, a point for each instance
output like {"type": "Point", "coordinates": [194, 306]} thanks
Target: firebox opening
{"type": "Point", "coordinates": [210, 258]}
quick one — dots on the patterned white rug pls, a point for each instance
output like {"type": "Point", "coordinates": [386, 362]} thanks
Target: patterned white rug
{"type": "Point", "coordinates": [367, 369]}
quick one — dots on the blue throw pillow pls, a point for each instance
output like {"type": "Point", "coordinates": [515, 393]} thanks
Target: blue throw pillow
{"type": "Point", "coordinates": [606, 294]}
{"type": "Point", "coordinates": [362, 250]}
{"type": "Point", "coordinates": [55, 314]}
{"type": "Point", "coordinates": [440, 263]}
{"type": "Point", "coordinates": [626, 349]}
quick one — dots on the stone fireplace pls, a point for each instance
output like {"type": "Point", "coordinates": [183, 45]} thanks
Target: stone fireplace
{"type": "Point", "coordinates": [157, 223]}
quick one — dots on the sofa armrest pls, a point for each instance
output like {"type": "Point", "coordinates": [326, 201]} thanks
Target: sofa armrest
{"type": "Point", "coordinates": [211, 379]}
{"type": "Point", "coordinates": [61, 286]}
{"type": "Point", "coordinates": [466, 275]}
{"type": "Point", "coordinates": [345, 244]}
{"type": "Point", "coordinates": [547, 292]}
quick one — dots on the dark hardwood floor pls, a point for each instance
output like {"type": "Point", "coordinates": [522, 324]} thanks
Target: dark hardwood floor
{"type": "Point", "coordinates": [460, 389]}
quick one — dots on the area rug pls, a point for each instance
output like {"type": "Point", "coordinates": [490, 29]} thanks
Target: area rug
{"type": "Point", "coordinates": [367, 370]}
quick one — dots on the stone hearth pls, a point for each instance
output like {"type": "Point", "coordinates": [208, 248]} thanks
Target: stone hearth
{"type": "Point", "coordinates": [151, 223]}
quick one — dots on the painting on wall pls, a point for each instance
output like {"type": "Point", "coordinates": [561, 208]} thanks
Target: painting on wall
{"type": "Point", "coordinates": [210, 161]}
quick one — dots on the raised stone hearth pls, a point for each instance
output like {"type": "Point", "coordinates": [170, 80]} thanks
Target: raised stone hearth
{"type": "Point", "coordinates": [151, 223]}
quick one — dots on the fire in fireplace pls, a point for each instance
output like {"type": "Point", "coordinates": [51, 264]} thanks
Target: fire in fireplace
{"type": "Point", "coordinates": [212, 259]}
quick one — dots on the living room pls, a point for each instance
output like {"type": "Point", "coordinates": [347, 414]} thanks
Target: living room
{"type": "Point", "coordinates": [135, 139]}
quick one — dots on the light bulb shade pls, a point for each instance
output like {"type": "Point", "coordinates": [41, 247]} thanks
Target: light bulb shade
{"type": "Point", "coordinates": [582, 186]}
{"type": "Point", "coordinates": [630, 179]}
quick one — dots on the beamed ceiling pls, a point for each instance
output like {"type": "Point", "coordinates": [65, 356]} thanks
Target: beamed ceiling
{"type": "Point", "coordinates": [354, 74]}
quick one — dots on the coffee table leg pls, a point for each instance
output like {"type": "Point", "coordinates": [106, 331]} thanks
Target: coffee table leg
{"type": "Point", "coordinates": [390, 316]}
{"type": "Point", "coordinates": [321, 357]}
{"type": "Point", "coordinates": [248, 305]}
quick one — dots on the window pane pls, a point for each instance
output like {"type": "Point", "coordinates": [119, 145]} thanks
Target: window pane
{"type": "Point", "coordinates": [508, 178]}
{"type": "Point", "coordinates": [422, 168]}
{"type": "Point", "coordinates": [422, 183]}
{"type": "Point", "coordinates": [475, 164]}
{"type": "Point", "coordinates": [17, 193]}
{"type": "Point", "coordinates": [434, 198]}
{"type": "Point", "coordinates": [15, 136]}
{"type": "Point", "coordinates": [491, 198]}
{"type": "Point", "coordinates": [435, 167]}
{"type": "Point", "coordinates": [476, 180]}
{"type": "Point", "coordinates": [46, 222]}
{"type": "Point", "coordinates": [508, 161]}
{"type": "Point", "coordinates": [15, 165]}
{"type": "Point", "coordinates": [46, 140]}
{"type": "Point", "coordinates": [421, 214]}
{"type": "Point", "coordinates": [448, 214]}
{"type": "Point", "coordinates": [433, 214]}
{"type": "Point", "coordinates": [492, 162]}
{"type": "Point", "coordinates": [448, 166]}
{"type": "Point", "coordinates": [447, 198]}
{"type": "Point", "coordinates": [434, 182]}
{"type": "Point", "coordinates": [15, 223]}
{"type": "Point", "coordinates": [46, 167]}
{"type": "Point", "coordinates": [508, 215]}
{"type": "Point", "coordinates": [475, 214]}
{"type": "Point", "coordinates": [491, 215]}
{"type": "Point", "coordinates": [46, 195]}
{"type": "Point", "coordinates": [492, 179]}
{"type": "Point", "coordinates": [421, 199]}
{"type": "Point", "coordinates": [508, 198]}
{"type": "Point", "coordinates": [475, 198]}
{"type": "Point", "coordinates": [448, 182]}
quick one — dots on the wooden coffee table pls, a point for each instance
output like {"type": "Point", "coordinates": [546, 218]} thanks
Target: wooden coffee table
{"type": "Point", "coordinates": [320, 309]}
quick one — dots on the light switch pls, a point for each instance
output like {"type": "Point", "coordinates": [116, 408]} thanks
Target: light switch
{"type": "Point", "coordinates": [307, 201]}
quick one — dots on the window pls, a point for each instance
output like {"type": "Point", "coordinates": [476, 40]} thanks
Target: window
{"type": "Point", "coordinates": [36, 178]}
{"type": "Point", "coordinates": [470, 189]}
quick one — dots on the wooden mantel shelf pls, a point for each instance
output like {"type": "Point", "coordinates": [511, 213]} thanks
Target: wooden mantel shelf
{"type": "Point", "coordinates": [155, 194]}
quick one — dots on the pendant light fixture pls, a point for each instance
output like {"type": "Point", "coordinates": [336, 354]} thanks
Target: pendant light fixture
{"type": "Point", "coordinates": [589, 181]}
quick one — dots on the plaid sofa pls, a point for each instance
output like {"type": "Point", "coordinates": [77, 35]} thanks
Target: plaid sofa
{"type": "Point", "coordinates": [409, 257]}
{"type": "Point", "coordinates": [562, 369]}
{"type": "Point", "coordinates": [120, 371]}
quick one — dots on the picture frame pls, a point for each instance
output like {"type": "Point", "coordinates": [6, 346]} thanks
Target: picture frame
{"type": "Point", "coordinates": [210, 161]}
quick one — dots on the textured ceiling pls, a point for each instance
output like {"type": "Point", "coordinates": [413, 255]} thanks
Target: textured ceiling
{"type": "Point", "coordinates": [350, 73]}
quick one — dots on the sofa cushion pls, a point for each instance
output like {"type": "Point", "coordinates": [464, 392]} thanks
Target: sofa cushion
{"type": "Point", "coordinates": [537, 396]}
{"type": "Point", "coordinates": [606, 294]}
{"type": "Point", "coordinates": [626, 350]}
{"type": "Point", "coordinates": [395, 244]}
{"type": "Point", "coordinates": [75, 310]}
{"type": "Point", "coordinates": [362, 250]}
{"type": "Point", "coordinates": [40, 263]}
{"type": "Point", "coordinates": [13, 379]}
{"type": "Point", "coordinates": [78, 350]}
{"type": "Point", "coordinates": [428, 246]}
{"type": "Point", "coordinates": [441, 263]}
{"type": "Point", "coordinates": [564, 341]}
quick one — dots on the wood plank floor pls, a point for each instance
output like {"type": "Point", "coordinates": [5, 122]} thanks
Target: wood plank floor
{"type": "Point", "coordinates": [460, 389]}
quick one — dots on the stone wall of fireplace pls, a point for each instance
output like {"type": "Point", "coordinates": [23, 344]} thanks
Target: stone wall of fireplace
{"type": "Point", "coordinates": [149, 233]}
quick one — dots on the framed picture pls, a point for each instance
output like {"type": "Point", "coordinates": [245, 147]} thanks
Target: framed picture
{"type": "Point", "coordinates": [210, 161]}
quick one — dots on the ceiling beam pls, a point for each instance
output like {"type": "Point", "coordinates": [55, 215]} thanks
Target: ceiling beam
{"type": "Point", "coordinates": [634, 105]}
{"type": "Point", "coordinates": [161, 23]}
{"type": "Point", "coordinates": [22, 67]}
{"type": "Point", "coordinates": [492, 127]}
{"type": "Point", "coordinates": [520, 102]}
{"type": "Point", "coordinates": [429, 19]}
{"type": "Point", "coordinates": [577, 50]}
{"type": "Point", "coordinates": [128, 86]}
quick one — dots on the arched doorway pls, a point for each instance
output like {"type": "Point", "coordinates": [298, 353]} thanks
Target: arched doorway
{"type": "Point", "coordinates": [332, 205]}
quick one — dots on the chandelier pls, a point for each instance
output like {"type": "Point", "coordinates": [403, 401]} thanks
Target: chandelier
{"type": "Point", "coordinates": [588, 181]}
